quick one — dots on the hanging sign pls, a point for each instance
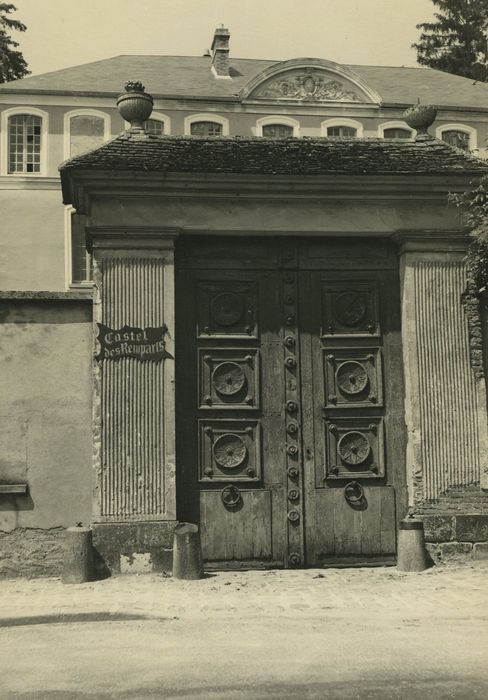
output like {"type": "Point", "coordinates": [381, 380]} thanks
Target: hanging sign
{"type": "Point", "coordinates": [129, 341]}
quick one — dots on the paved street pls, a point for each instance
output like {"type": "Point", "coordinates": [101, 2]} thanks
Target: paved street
{"type": "Point", "coordinates": [357, 633]}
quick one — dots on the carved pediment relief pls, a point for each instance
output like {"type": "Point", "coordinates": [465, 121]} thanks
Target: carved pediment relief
{"type": "Point", "coordinates": [309, 85]}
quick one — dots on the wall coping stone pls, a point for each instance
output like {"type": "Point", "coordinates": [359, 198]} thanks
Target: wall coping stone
{"type": "Point", "coordinates": [72, 295]}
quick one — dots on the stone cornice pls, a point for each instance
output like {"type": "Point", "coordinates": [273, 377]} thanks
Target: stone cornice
{"type": "Point", "coordinates": [138, 239]}
{"type": "Point", "coordinates": [435, 241]}
{"type": "Point", "coordinates": [79, 187]}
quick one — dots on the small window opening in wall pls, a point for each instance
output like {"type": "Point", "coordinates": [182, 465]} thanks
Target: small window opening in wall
{"type": "Point", "coordinates": [343, 131]}
{"type": "Point", "coordinates": [81, 264]}
{"type": "Point", "coordinates": [205, 129]}
{"type": "Point", "coordinates": [459, 139]}
{"type": "Point", "coordinates": [154, 127]}
{"type": "Point", "coordinates": [85, 133]}
{"type": "Point", "coordinates": [277, 131]}
{"type": "Point", "coordinates": [24, 143]}
{"type": "Point", "coordinates": [397, 133]}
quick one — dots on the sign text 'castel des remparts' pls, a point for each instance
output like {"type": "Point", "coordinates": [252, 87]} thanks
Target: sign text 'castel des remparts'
{"type": "Point", "coordinates": [129, 341]}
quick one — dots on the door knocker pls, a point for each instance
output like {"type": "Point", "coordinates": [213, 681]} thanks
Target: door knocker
{"type": "Point", "coordinates": [231, 496]}
{"type": "Point", "coordinates": [354, 493]}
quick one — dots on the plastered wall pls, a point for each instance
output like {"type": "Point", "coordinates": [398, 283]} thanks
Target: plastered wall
{"type": "Point", "coordinates": [45, 413]}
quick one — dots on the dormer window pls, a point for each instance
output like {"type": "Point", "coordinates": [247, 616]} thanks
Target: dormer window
{"type": "Point", "coordinates": [24, 143]}
{"type": "Point", "coordinates": [277, 131]}
{"type": "Point", "coordinates": [342, 131]}
{"type": "Point", "coordinates": [454, 137]}
{"type": "Point", "coordinates": [395, 130]}
{"type": "Point", "coordinates": [206, 129]}
{"type": "Point", "coordinates": [277, 126]}
{"type": "Point", "coordinates": [342, 128]}
{"type": "Point", "coordinates": [458, 135]}
{"type": "Point", "coordinates": [156, 127]}
{"type": "Point", "coordinates": [206, 124]}
{"type": "Point", "coordinates": [84, 130]}
{"type": "Point", "coordinates": [397, 133]}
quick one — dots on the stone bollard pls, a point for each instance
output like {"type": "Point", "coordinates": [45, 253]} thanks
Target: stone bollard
{"type": "Point", "coordinates": [187, 552]}
{"type": "Point", "coordinates": [78, 555]}
{"type": "Point", "coordinates": [412, 555]}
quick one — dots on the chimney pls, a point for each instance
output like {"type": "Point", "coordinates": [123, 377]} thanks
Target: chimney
{"type": "Point", "coordinates": [220, 52]}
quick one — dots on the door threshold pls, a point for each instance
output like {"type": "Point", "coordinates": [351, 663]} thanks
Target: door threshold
{"type": "Point", "coordinates": [355, 562]}
{"type": "Point", "coordinates": [346, 562]}
{"type": "Point", "coordinates": [241, 565]}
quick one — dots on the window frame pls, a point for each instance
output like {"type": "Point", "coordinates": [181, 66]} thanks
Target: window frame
{"type": "Point", "coordinates": [280, 119]}
{"type": "Point", "coordinates": [342, 121]}
{"type": "Point", "coordinates": [395, 124]}
{"type": "Point", "coordinates": [206, 117]}
{"type": "Point", "coordinates": [86, 112]}
{"type": "Point", "coordinates": [464, 128]}
{"type": "Point", "coordinates": [4, 140]}
{"type": "Point", "coordinates": [160, 117]}
{"type": "Point", "coordinates": [70, 284]}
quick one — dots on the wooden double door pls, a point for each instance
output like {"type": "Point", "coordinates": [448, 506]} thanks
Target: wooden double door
{"type": "Point", "coordinates": [289, 386]}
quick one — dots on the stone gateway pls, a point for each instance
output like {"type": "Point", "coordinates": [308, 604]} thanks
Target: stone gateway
{"type": "Point", "coordinates": [269, 340]}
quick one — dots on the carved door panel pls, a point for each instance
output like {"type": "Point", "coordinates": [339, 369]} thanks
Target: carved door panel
{"type": "Point", "coordinates": [290, 434]}
{"type": "Point", "coordinates": [231, 429]}
{"type": "Point", "coordinates": [353, 422]}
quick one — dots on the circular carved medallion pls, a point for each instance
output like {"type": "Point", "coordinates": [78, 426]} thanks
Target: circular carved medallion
{"type": "Point", "coordinates": [229, 451]}
{"type": "Point", "coordinates": [227, 308]}
{"type": "Point", "coordinates": [351, 377]}
{"type": "Point", "coordinates": [351, 308]}
{"type": "Point", "coordinates": [354, 448]}
{"type": "Point", "coordinates": [228, 378]}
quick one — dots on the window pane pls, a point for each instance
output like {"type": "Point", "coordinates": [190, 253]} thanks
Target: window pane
{"type": "Point", "coordinates": [459, 139]}
{"type": "Point", "coordinates": [344, 131]}
{"type": "Point", "coordinates": [397, 133]}
{"type": "Point", "coordinates": [206, 129]}
{"type": "Point", "coordinates": [277, 131]}
{"type": "Point", "coordinates": [85, 133]}
{"type": "Point", "coordinates": [154, 126]}
{"type": "Point", "coordinates": [24, 143]}
{"type": "Point", "coordinates": [80, 258]}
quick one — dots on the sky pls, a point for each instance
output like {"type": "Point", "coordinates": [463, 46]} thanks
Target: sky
{"type": "Point", "coordinates": [62, 33]}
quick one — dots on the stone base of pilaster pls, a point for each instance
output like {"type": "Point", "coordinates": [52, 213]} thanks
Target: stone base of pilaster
{"type": "Point", "coordinates": [133, 547]}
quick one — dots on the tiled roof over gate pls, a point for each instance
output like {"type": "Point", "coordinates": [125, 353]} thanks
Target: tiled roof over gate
{"type": "Point", "coordinates": [263, 156]}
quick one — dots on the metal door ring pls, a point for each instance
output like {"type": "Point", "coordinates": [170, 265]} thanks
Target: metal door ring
{"type": "Point", "coordinates": [231, 496]}
{"type": "Point", "coordinates": [353, 493]}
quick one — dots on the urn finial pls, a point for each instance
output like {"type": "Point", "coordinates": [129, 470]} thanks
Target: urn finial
{"type": "Point", "coordinates": [135, 105]}
{"type": "Point", "coordinates": [420, 117]}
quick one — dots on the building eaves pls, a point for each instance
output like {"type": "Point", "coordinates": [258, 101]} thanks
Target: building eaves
{"type": "Point", "coordinates": [176, 77]}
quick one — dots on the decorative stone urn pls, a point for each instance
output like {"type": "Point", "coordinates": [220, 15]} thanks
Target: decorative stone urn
{"type": "Point", "coordinates": [420, 117]}
{"type": "Point", "coordinates": [135, 105]}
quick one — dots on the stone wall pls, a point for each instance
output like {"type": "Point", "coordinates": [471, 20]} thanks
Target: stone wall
{"type": "Point", "coordinates": [46, 433]}
{"type": "Point", "coordinates": [31, 552]}
{"type": "Point", "coordinates": [456, 536]}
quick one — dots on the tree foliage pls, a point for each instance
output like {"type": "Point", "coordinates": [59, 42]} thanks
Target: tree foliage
{"type": "Point", "coordinates": [474, 206]}
{"type": "Point", "coordinates": [456, 42]}
{"type": "Point", "coordinates": [12, 63]}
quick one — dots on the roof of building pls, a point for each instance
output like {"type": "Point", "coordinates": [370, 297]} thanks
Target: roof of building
{"type": "Point", "coordinates": [190, 76]}
{"type": "Point", "coordinates": [267, 156]}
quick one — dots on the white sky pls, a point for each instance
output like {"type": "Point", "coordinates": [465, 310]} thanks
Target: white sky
{"type": "Point", "coordinates": [62, 33]}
